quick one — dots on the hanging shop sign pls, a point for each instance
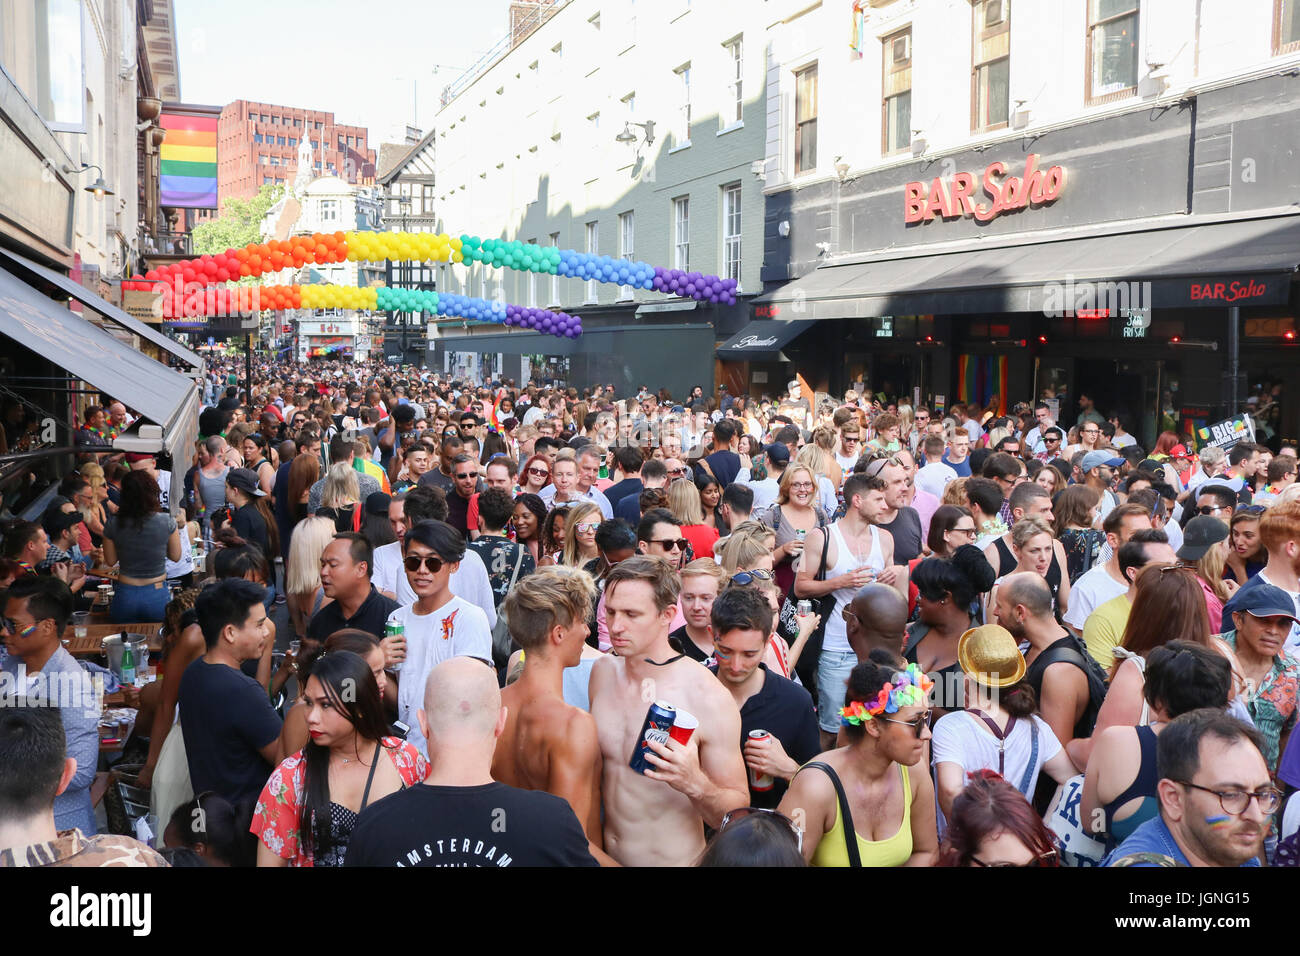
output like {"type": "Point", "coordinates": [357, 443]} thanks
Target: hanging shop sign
{"type": "Point", "coordinates": [957, 197]}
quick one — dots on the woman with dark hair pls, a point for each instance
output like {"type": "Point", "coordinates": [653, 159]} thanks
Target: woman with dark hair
{"type": "Point", "coordinates": [304, 472]}
{"type": "Point", "coordinates": [252, 517]}
{"type": "Point", "coordinates": [550, 543]}
{"type": "Point", "coordinates": [710, 498]}
{"type": "Point", "coordinates": [527, 520]}
{"type": "Point", "coordinates": [140, 539]}
{"type": "Point", "coordinates": [210, 827]}
{"type": "Point", "coordinates": [182, 645]}
{"type": "Point", "coordinates": [992, 824]}
{"type": "Point", "coordinates": [1248, 556]}
{"type": "Point", "coordinates": [948, 605]}
{"type": "Point", "coordinates": [951, 526]}
{"type": "Point", "coordinates": [293, 735]}
{"type": "Point", "coordinates": [862, 807]}
{"type": "Point", "coordinates": [257, 452]}
{"type": "Point", "coordinates": [755, 837]}
{"type": "Point", "coordinates": [374, 523]}
{"type": "Point", "coordinates": [1075, 515]}
{"type": "Point", "coordinates": [1168, 605]}
{"type": "Point", "coordinates": [1121, 778]}
{"type": "Point", "coordinates": [493, 446]}
{"type": "Point", "coordinates": [309, 807]}
{"type": "Point", "coordinates": [998, 729]}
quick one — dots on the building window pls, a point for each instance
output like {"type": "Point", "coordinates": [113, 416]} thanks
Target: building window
{"type": "Point", "coordinates": [626, 246]}
{"type": "Point", "coordinates": [1112, 49]}
{"type": "Point", "coordinates": [682, 233]}
{"type": "Point", "coordinates": [593, 123]}
{"type": "Point", "coordinates": [990, 64]}
{"type": "Point", "coordinates": [735, 111]}
{"type": "Point", "coordinates": [41, 49]}
{"type": "Point", "coordinates": [683, 133]}
{"type": "Point", "coordinates": [279, 141]}
{"type": "Point", "coordinates": [329, 210]}
{"type": "Point", "coordinates": [555, 279]}
{"type": "Point", "coordinates": [805, 120]}
{"type": "Point", "coordinates": [896, 108]}
{"type": "Point", "coordinates": [293, 141]}
{"type": "Point", "coordinates": [257, 137]}
{"type": "Point", "coordinates": [593, 246]}
{"type": "Point", "coordinates": [731, 232]}
{"type": "Point", "coordinates": [1286, 27]}
{"type": "Point", "coordinates": [428, 199]}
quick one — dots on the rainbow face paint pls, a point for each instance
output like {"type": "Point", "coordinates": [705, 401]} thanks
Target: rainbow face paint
{"type": "Point", "coordinates": [1218, 822]}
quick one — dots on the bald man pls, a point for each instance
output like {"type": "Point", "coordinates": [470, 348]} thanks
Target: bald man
{"type": "Point", "coordinates": [876, 617]}
{"type": "Point", "coordinates": [460, 816]}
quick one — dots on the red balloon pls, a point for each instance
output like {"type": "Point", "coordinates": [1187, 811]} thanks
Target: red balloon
{"type": "Point", "coordinates": [151, 274]}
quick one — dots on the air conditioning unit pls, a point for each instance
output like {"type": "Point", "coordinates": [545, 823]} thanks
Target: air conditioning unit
{"type": "Point", "coordinates": [901, 51]}
{"type": "Point", "coordinates": [1020, 117]}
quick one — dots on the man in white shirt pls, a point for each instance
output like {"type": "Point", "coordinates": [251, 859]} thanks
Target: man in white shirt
{"type": "Point", "coordinates": [470, 578]}
{"type": "Point", "coordinates": [439, 625]}
{"type": "Point", "coordinates": [1105, 581]}
{"type": "Point", "coordinates": [850, 446]}
{"type": "Point", "coordinates": [934, 475]}
{"type": "Point", "coordinates": [1034, 439]}
{"type": "Point", "coordinates": [1098, 469]}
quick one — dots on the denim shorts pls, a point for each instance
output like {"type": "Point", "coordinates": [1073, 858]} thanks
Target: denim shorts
{"type": "Point", "coordinates": [833, 669]}
{"type": "Point", "coordinates": [133, 603]}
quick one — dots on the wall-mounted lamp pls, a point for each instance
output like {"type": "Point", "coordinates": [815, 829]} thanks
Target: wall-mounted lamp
{"type": "Point", "coordinates": [627, 136]}
{"type": "Point", "coordinates": [98, 187]}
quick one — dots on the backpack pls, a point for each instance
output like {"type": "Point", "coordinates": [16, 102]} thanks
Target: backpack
{"type": "Point", "coordinates": [1078, 656]}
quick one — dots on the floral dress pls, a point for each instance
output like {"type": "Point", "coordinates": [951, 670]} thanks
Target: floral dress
{"type": "Point", "coordinates": [276, 817]}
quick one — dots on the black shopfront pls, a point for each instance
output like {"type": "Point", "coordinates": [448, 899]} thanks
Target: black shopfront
{"type": "Point", "coordinates": [1156, 270]}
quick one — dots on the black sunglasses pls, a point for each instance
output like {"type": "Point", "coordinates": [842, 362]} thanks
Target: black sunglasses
{"type": "Point", "coordinates": [413, 562]}
{"type": "Point", "coordinates": [679, 544]}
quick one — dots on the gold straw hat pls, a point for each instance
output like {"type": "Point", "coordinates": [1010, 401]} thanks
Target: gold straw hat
{"type": "Point", "coordinates": [990, 655]}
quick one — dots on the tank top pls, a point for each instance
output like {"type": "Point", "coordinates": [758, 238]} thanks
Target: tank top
{"type": "Point", "coordinates": [891, 851]}
{"type": "Point", "coordinates": [836, 638]}
{"type": "Point", "coordinates": [212, 490]}
{"type": "Point", "coordinates": [1143, 785]}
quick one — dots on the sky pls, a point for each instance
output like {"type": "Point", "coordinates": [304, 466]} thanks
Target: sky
{"type": "Point", "coordinates": [363, 61]}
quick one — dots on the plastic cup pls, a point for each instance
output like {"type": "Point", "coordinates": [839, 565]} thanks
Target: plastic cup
{"type": "Point", "coordinates": [684, 725]}
{"type": "Point", "coordinates": [80, 622]}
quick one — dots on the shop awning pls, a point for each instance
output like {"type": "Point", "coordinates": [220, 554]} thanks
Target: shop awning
{"type": "Point", "coordinates": [104, 308]}
{"type": "Point", "coordinates": [1186, 265]}
{"type": "Point", "coordinates": [161, 395]}
{"type": "Point", "coordinates": [762, 339]}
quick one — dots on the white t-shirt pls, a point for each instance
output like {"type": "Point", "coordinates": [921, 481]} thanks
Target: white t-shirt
{"type": "Point", "coordinates": [1093, 589]}
{"type": "Point", "coordinates": [934, 477]}
{"type": "Point", "coordinates": [962, 738]}
{"type": "Point", "coordinates": [846, 462]}
{"type": "Point", "coordinates": [469, 581]}
{"type": "Point", "coordinates": [457, 629]}
{"type": "Point", "coordinates": [973, 430]}
{"type": "Point", "coordinates": [765, 493]}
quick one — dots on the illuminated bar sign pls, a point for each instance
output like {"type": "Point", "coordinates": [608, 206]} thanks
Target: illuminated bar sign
{"type": "Point", "coordinates": [957, 198]}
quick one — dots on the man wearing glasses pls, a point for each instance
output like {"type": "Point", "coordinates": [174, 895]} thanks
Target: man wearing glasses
{"type": "Point", "coordinates": [660, 535]}
{"type": "Point", "coordinates": [1049, 444]}
{"type": "Point", "coordinates": [850, 446]}
{"type": "Point", "coordinates": [1215, 796]}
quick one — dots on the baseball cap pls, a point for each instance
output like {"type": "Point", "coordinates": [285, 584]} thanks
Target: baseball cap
{"type": "Point", "coordinates": [135, 456]}
{"type": "Point", "coordinates": [56, 522]}
{"type": "Point", "coordinates": [377, 503]}
{"type": "Point", "coordinates": [1202, 533]}
{"type": "Point", "coordinates": [1180, 451]}
{"type": "Point", "coordinates": [1095, 459]}
{"type": "Point", "coordinates": [245, 479]}
{"type": "Point", "coordinates": [1265, 600]}
{"type": "Point", "coordinates": [777, 452]}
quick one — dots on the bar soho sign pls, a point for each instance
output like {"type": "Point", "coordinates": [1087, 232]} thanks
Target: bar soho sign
{"type": "Point", "coordinates": [957, 198]}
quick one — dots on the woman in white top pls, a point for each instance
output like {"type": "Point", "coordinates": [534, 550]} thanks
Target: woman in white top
{"type": "Point", "coordinates": [998, 730]}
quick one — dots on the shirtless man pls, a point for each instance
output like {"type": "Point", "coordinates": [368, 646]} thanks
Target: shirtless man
{"type": "Point", "coordinates": [657, 819]}
{"type": "Point", "coordinates": [548, 745]}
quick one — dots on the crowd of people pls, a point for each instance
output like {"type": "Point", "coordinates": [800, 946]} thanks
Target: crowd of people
{"type": "Point", "coordinates": [714, 631]}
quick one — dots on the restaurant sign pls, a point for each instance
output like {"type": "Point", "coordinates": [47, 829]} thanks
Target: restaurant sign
{"type": "Point", "coordinates": [957, 197]}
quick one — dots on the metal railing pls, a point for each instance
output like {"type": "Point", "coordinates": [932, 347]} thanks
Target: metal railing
{"type": "Point", "coordinates": [523, 29]}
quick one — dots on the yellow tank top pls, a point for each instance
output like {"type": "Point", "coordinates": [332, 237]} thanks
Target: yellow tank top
{"type": "Point", "coordinates": [893, 851]}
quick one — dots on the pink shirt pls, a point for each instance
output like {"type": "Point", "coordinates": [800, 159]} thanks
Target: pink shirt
{"type": "Point", "coordinates": [1212, 604]}
{"type": "Point", "coordinates": [926, 505]}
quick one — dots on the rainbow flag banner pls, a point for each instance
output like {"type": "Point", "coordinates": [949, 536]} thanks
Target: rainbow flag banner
{"type": "Point", "coordinates": [188, 161]}
{"type": "Point", "coordinates": [981, 378]}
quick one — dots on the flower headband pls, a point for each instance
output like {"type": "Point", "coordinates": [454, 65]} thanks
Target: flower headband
{"type": "Point", "coordinates": [910, 688]}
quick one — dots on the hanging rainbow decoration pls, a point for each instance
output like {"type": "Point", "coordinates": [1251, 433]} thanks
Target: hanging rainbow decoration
{"type": "Point", "coordinates": [257, 259]}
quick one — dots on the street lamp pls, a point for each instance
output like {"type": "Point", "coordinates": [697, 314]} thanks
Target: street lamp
{"type": "Point", "coordinates": [98, 187]}
{"type": "Point", "coordinates": [627, 136]}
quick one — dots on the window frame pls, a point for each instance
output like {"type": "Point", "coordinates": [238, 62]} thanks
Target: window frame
{"type": "Point", "coordinates": [889, 66]}
{"type": "Point", "coordinates": [682, 134]}
{"type": "Point", "coordinates": [1091, 99]}
{"type": "Point", "coordinates": [798, 135]}
{"type": "Point", "coordinates": [978, 36]}
{"type": "Point", "coordinates": [1279, 48]}
{"type": "Point", "coordinates": [682, 223]}
{"type": "Point", "coordinates": [626, 247]}
{"type": "Point", "coordinates": [732, 240]}
{"type": "Point", "coordinates": [735, 61]}
{"type": "Point", "coordinates": [591, 232]}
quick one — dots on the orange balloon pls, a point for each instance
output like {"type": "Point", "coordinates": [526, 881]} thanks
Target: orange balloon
{"type": "Point", "coordinates": [329, 242]}
{"type": "Point", "coordinates": [242, 256]}
{"type": "Point", "coordinates": [340, 235]}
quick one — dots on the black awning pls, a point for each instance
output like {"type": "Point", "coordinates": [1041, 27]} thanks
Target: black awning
{"type": "Point", "coordinates": [762, 339]}
{"type": "Point", "coordinates": [1213, 264]}
{"type": "Point", "coordinates": [105, 308]}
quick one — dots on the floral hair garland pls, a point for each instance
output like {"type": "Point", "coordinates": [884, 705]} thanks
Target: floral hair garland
{"type": "Point", "coordinates": [909, 688]}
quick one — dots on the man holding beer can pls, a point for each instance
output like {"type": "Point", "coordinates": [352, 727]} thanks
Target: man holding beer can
{"type": "Point", "coordinates": [778, 725]}
{"type": "Point", "coordinates": [693, 773]}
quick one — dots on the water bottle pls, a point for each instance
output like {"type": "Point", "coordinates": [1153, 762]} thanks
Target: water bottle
{"type": "Point", "coordinates": [128, 665]}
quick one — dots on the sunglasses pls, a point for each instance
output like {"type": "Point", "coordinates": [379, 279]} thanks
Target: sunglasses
{"type": "Point", "coordinates": [879, 466]}
{"type": "Point", "coordinates": [466, 474]}
{"type": "Point", "coordinates": [669, 544]}
{"type": "Point", "coordinates": [432, 563]}
{"type": "Point", "coordinates": [739, 814]}
{"type": "Point", "coordinates": [539, 472]}
{"type": "Point", "coordinates": [1251, 510]}
{"type": "Point", "coordinates": [12, 627]}
{"type": "Point", "coordinates": [587, 527]}
{"type": "Point", "coordinates": [1210, 509]}
{"type": "Point", "coordinates": [1043, 859]}
{"type": "Point", "coordinates": [749, 577]}
{"type": "Point", "coordinates": [917, 723]}
{"type": "Point", "coordinates": [676, 472]}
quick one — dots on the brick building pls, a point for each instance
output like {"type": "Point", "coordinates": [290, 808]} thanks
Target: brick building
{"type": "Point", "coordinates": [257, 145]}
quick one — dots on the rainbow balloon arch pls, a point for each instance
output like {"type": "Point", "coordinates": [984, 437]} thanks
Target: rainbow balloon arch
{"type": "Point", "coordinates": [198, 287]}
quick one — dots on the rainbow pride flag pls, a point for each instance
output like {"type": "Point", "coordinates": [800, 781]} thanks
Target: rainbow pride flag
{"type": "Point", "coordinates": [188, 161]}
{"type": "Point", "coordinates": [981, 378]}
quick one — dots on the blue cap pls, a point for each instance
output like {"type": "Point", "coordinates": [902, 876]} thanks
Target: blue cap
{"type": "Point", "coordinates": [1096, 458]}
{"type": "Point", "coordinates": [1265, 600]}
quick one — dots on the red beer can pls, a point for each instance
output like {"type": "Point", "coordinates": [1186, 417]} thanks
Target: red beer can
{"type": "Point", "coordinates": [760, 782]}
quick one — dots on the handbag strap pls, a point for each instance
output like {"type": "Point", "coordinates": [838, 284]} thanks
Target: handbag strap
{"type": "Point", "coordinates": [1033, 759]}
{"type": "Point", "coordinates": [519, 560]}
{"type": "Point", "coordinates": [1002, 736]}
{"type": "Point", "coordinates": [365, 796]}
{"type": "Point", "coordinates": [850, 835]}
{"type": "Point", "coordinates": [826, 545]}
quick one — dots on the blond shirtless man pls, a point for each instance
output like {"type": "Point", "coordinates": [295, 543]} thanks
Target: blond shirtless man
{"type": "Point", "coordinates": [657, 818]}
{"type": "Point", "coordinates": [547, 744]}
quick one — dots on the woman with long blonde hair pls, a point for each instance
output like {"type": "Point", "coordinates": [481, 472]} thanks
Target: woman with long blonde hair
{"type": "Point", "coordinates": [748, 547]}
{"type": "Point", "coordinates": [826, 438]}
{"type": "Point", "coordinates": [684, 503]}
{"type": "Point", "coordinates": [302, 571]}
{"type": "Point", "coordinates": [341, 496]}
{"type": "Point", "coordinates": [580, 526]}
{"type": "Point", "coordinates": [1210, 562]}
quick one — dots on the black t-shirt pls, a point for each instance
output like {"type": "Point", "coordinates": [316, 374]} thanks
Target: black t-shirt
{"type": "Point", "coordinates": [370, 617]}
{"type": "Point", "coordinates": [784, 710]}
{"type": "Point", "coordinates": [457, 512]}
{"type": "Point", "coordinates": [682, 641]}
{"type": "Point", "coordinates": [251, 526]}
{"type": "Point", "coordinates": [499, 555]}
{"type": "Point", "coordinates": [226, 719]}
{"type": "Point", "coordinates": [725, 466]}
{"type": "Point", "coordinates": [620, 490]}
{"type": "Point", "coordinates": [906, 529]}
{"type": "Point", "coordinates": [488, 825]}
{"type": "Point", "coordinates": [434, 478]}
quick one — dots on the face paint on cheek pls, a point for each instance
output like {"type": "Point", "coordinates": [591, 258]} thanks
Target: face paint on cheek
{"type": "Point", "coordinates": [1218, 822]}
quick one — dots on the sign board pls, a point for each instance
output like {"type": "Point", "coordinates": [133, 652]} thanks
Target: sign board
{"type": "Point", "coordinates": [1134, 323]}
{"type": "Point", "coordinates": [140, 305]}
{"type": "Point", "coordinates": [957, 198]}
{"type": "Point", "coordinates": [885, 330]}
{"type": "Point", "coordinates": [940, 403]}
{"type": "Point", "coordinates": [1226, 433]}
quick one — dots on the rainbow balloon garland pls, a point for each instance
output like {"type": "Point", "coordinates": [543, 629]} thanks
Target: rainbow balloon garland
{"type": "Point", "coordinates": [210, 272]}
